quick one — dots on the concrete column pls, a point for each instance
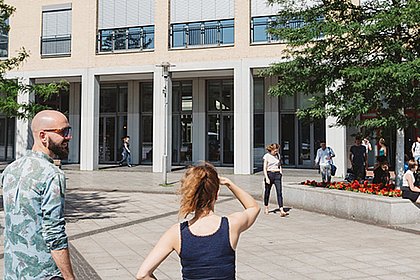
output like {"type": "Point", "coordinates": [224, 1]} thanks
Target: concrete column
{"type": "Point", "coordinates": [243, 120]}
{"type": "Point", "coordinates": [133, 120]}
{"type": "Point", "coordinates": [199, 120]}
{"type": "Point", "coordinates": [336, 138]}
{"type": "Point", "coordinates": [24, 139]}
{"type": "Point", "coordinates": [89, 132]}
{"type": "Point", "coordinates": [161, 143]}
{"type": "Point", "coordinates": [271, 115]}
{"type": "Point", "coordinates": [242, 24]}
{"type": "Point", "coordinates": [74, 120]}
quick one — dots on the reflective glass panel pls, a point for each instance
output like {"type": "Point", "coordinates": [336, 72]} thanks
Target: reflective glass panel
{"type": "Point", "coordinates": [178, 35]}
{"type": "Point", "coordinates": [134, 38]}
{"type": "Point", "coordinates": [211, 33]}
{"type": "Point", "coordinates": [108, 99]}
{"type": "Point", "coordinates": [194, 34]}
{"type": "Point", "coordinates": [213, 138]}
{"type": "Point", "coordinates": [123, 98]}
{"type": "Point", "coordinates": [149, 37]}
{"type": "Point", "coordinates": [106, 40]}
{"type": "Point", "coordinates": [228, 32]}
{"type": "Point", "coordinates": [258, 94]}
{"type": "Point", "coordinates": [120, 39]}
{"type": "Point", "coordinates": [227, 95]}
{"type": "Point", "coordinates": [146, 97]}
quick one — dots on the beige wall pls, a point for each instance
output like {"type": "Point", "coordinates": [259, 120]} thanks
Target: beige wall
{"type": "Point", "coordinates": [26, 31]}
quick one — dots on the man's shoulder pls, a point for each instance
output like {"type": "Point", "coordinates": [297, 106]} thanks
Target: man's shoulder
{"type": "Point", "coordinates": [32, 164]}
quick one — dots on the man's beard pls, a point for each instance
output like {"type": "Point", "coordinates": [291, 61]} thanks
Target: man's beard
{"type": "Point", "coordinates": [60, 151]}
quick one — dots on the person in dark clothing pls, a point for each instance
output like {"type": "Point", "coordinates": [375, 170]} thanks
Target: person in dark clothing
{"type": "Point", "coordinates": [206, 243]}
{"type": "Point", "coordinates": [358, 159]}
{"type": "Point", "coordinates": [381, 174]}
{"type": "Point", "coordinates": [126, 153]}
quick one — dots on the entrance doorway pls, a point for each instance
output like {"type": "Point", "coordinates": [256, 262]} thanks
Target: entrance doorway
{"type": "Point", "coordinates": [299, 139]}
{"type": "Point", "coordinates": [220, 122]}
{"type": "Point", "coordinates": [146, 123]}
{"type": "Point", "coordinates": [112, 121]}
{"type": "Point", "coordinates": [7, 138]}
{"type": "Point", "coordinates": [182, 127]}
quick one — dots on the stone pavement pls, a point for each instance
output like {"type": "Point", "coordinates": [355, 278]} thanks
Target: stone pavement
{"type": "Point", "coordinates": [115, 217]}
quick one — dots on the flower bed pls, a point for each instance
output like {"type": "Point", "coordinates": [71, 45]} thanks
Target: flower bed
{"type": "Point", "coordinates": [355, 186]}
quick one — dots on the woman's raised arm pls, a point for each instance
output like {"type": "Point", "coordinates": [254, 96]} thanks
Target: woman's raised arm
{"type": "Point", "coordinates": [166, 244]}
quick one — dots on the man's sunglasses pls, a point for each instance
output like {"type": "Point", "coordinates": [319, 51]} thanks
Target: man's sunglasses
{"type": "Point", "coordinates": [64, 132]}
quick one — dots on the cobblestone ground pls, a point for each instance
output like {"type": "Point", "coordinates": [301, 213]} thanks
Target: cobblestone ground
{"type": "Point", "coordinates": [112, 232]}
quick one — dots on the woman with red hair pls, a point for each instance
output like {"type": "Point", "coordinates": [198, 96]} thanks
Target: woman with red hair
{"type": "Point", "coordinates": [206, 243]}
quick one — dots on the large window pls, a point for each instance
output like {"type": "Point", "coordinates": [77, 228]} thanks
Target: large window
{"type": "Point", "coordinates": [126, 25]}
{"type": "Point", "coordinates": [56, 30]}
{"type": "Point", "coordinates": [299, 139]}
{"type": "Point", "coordinates": [260, 25]}
{"type": "Point", "coordinates": [220, 122]}
{"type": "Point", "coordinates": [208, 33]}
{"type": "Point", "coordinates": [112, 121]}
{"type": "Point", "coordinates": [259, 131]}
{"type": "Point", "coordinates": [4, 41]}
{"type": "Point", "coordinates": [7, 138]}
{"type": "Point", "coordinates": [182, 125]}
{"type": "Point", "coordinates": [146, 122]}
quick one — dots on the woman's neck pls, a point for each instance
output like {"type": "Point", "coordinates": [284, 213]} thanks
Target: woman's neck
{"type": "Point", "coordinates": [203, 213]}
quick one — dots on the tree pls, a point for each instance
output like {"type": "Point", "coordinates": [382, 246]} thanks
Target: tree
{"type": "Point", "coordinates": [11, 88]}
{"type": "Point", "coordinates": [365, 58]}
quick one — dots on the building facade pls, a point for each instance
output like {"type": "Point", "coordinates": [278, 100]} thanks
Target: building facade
{"type": "Point", "coordinates": [180, 77]}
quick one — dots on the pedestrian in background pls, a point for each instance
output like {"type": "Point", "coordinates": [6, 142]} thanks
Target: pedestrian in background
{"type": "Point", "coordinates": [381, 174]}
{"type": "Point", "coordinates": [206, 244]}
{"type": "Point", "coordinates": [272, 175]}
{"type": "Point", "coordinates": [370, 156]}
{"type": "Point", "coordinates": [358, 159]}
{"type": "Point", "coordinates": [383, 149]}
{"type": "Point", "coordinates": [415, 150]}
{"type": "Point", "coordinates": [126, 153]}
{"type": "Point", "coordinates": [35, 241]}
{"type": "Point", "coordinates": [323, 159]}
{"type": "Point", "coordinates": [409, 190]}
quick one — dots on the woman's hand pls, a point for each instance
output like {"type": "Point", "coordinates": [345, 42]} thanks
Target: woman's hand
{"type": "Point", "coordinates": [267, 181]}
{"type": "Point", "coordinates": [225, 181]}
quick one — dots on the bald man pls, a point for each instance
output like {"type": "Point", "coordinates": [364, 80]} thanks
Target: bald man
{"type": "Point", "coordinates": [35, 241]}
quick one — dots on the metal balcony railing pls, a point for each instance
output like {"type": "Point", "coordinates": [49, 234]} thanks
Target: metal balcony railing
{"type": "Point", "coordinates": [202, 34]}
{"type": "Point", "coordinates": [260, 25]}
{"type": "Point", "coordinates": [130, 38]}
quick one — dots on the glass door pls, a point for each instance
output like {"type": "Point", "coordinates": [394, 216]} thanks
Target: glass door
{"type": "Point", "coordinates": [220, 122]}
{"type": "Point", "coordinates": [182, 122]}
{"type": "Point", "coordinates": [305, 144]}
{"type": "Point", "coordinates": [112, 121]}
{"type": "Point", "coordinates": [299, 139]}
{"type": "Point", "coordinates": [107, 141]}
{"type": "Point", "coordinates": [146, 123]}
{"type": "Point", "coordinates": [287, 124]}
{"type": "Point", "coordinates": [7, 138]}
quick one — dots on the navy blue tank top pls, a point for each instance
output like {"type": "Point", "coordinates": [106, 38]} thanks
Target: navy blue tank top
{"type": "Point", "coordinates": [207, 257]}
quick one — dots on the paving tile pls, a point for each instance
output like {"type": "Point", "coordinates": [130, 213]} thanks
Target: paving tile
{"type": "Point", "coordinates": [115, 230]}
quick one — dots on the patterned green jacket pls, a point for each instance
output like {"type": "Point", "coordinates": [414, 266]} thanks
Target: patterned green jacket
{"type": "Point", "coordinates": [33, 198]}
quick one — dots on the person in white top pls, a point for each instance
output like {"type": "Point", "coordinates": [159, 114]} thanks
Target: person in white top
{"type": "Point", "coordinates": [415, 150]}
{"type": "Point", "coordinates": [272, 175]}
{"type": "Point", "coordinates": [323, 158]}
{"type": "Point", "coordinates": [409, 190]}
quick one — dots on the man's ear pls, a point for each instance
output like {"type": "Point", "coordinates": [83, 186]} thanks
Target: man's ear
{"type": "Point", "coordinates": [43, 138]}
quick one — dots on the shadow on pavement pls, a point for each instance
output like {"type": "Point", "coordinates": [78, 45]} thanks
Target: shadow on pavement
{"type": "Point", "coordinates": [93, 205]}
